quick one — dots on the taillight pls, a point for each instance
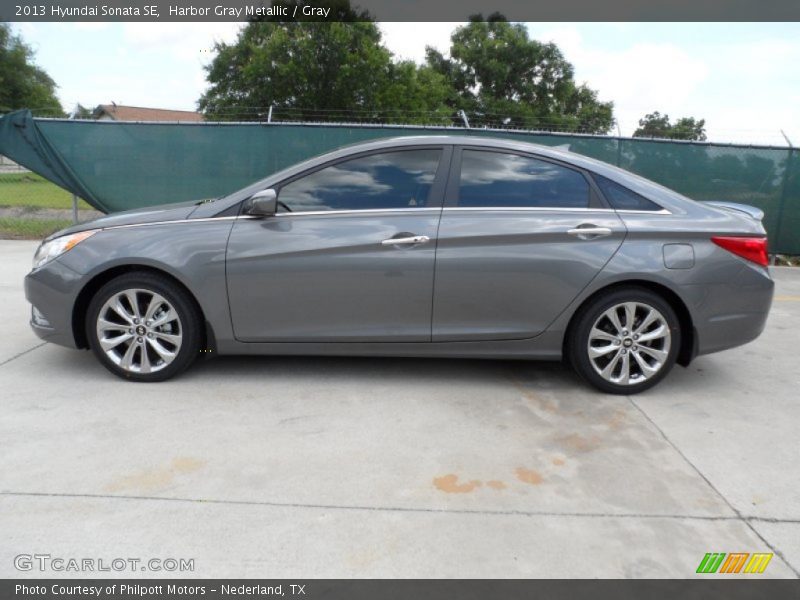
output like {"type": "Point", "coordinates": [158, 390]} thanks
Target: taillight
{"type": "Point", "coordinates": [753, 249]}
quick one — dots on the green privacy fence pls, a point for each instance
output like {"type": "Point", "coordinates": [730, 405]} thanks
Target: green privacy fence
{"type": "Point", "coordinates": [117, 165]}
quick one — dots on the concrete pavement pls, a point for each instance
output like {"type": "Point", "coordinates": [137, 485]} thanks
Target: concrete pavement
{"type": "Point", "coordinates": [329, 467]}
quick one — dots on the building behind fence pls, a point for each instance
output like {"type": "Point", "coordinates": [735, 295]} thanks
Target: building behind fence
{"type": "Point", "coordinates": [121, 165]}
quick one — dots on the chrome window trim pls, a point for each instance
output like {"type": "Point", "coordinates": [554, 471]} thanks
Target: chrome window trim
{"type": "Point", "coordinates": [527, 209]}
{"type": "Point", "coordinates": [357, 211]}
{"type": "Point", "coordinates": [590, 209]}
{"type": "Point", "coordinates": [632, 211]}
{"type": "Point", "coordinates": [663, 211]}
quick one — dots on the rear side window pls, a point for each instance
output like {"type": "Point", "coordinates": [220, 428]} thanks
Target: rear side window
{"type": "Point", "coordinates": [501, 180]}
{"type": "Point", "coordinates": [400, 179]}
{"type": "Point", "coordinates": [621, 197]}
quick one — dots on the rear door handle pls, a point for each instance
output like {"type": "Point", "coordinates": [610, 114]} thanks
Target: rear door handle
{"type": "Point", "coordinates": [589, 232]}
{"type": "Point", "coordinates": [414, 239]}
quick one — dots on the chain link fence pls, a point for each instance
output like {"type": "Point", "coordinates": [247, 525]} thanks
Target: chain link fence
{"type": "Point", "coordinates": [31, 207]}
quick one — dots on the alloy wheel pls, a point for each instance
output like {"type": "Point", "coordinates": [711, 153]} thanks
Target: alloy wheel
{"type": "Point", "coordinates": [629, 343]}
{"type": "Point", "coordinates": [139, 330]}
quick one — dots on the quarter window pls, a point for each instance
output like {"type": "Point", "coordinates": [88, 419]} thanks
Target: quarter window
{"type": "Point", "coordinates": [499, 180]}
{"type": "Point", "coordinates": [400, 179]}
{"type": "Point", "coordinates": [621, 197]}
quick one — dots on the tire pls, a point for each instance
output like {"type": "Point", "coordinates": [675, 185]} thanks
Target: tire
{"type": "Point", "coordinates": [152, 340]}
{"type": "Point", "coordinates": [642, 356]}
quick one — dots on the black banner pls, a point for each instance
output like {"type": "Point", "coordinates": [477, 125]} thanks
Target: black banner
{"type": "Point", "coordinates": [383, 589]}
{"type": "Point", "coordinates": [405, 10]}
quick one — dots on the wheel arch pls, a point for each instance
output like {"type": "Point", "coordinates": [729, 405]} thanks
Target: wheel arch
{"type": "Point", "coordinates": [688, 347]}
{"type": "Point", "coordinates": [84, 297]}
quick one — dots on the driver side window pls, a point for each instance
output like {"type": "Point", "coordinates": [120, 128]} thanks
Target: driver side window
{"type": "Point", "coordinates": [398, 179]}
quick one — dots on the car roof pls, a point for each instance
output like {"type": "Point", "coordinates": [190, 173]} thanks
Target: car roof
{"type": "Point", "coordinates": [460, 140]}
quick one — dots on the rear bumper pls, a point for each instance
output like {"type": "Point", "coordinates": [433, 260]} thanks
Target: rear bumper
{"type": "Point", "coordinates": [52, 290]}
{"type": "Point", "coordinates": [735, 313]}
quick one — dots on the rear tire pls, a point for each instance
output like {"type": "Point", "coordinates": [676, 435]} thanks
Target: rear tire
{"type": "Point", "coordinates": [624, 341]}
{"type": "Point", "coordinates": [144, 327]}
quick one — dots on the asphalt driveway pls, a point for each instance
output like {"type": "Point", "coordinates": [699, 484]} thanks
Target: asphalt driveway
{"type": "Point", "coordinates": [329, 467]}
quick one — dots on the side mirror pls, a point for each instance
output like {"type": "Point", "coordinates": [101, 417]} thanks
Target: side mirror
{"type": "Point", "coordinates": [263, 203]}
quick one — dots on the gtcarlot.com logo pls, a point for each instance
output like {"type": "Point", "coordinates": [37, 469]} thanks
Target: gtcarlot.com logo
{"type": "Point", "coordinates": [47, 562]}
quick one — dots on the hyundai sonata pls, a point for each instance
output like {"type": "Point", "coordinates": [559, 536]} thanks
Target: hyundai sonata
{"type": "Point", "coordinates": [418, 246]}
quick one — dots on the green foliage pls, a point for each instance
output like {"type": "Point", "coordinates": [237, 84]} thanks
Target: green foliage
{"type": "Point", "coordinates": [335, 70]}
{"type": "Point", "coordinates": [34, 191]}
{"type": "Point", "coordinates": [21, 228]}
{"type": "Point", "coordinates": [81, 112]}
{"type": "Point", "coordinates": [317, 71]}
{"type": "Point", "coordinates": [502, 77]}
{"type": "Point", "coordinates": [656, 125]}
{"type": "Point", "coordinates": [22, 83]}
{"type": "Point", "coordinates": [308, 65]}
{"type": "Point", "coordinates": [414, 94]}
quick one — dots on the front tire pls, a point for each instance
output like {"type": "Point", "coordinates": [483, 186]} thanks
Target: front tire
{"type": "Point", "coordinates": [625, 341]}
{"type": "Point", "coordinates": [144, 327]}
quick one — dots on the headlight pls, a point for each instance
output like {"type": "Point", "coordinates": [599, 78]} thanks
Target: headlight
{"type": "Point", "coordinates": [55, 248]}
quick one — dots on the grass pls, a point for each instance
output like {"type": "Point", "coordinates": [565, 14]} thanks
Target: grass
{"type": "Point", "coordinates": [29, 229]}
{"type": "Point", "coordinates": [32, 190]}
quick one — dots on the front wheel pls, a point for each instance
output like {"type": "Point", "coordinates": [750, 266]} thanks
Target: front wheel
{"type": "Point", "coordinates": [143, 327]}
{"type": "Point", "coordinates": [625, 341]}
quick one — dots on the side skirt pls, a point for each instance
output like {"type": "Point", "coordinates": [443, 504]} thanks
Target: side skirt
{"type": "Point", "coordinates": [546, 346]}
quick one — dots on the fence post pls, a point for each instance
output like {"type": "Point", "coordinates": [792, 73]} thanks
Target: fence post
{"type": "Point", "coordinates": [74, 209]}
{"type": "Point", "coordinates": [784, 186]}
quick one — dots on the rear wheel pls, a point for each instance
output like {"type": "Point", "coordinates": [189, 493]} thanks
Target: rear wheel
{"type": "Point", "coordinates": [143, 327]}
{"type": "Point", "coordinates": [625, 341]}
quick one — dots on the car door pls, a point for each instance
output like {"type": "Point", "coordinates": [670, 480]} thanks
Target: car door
{"type": "Point", "coordinates": [520, 237]}
{"type": "Point", "coordinates": [349, 257]}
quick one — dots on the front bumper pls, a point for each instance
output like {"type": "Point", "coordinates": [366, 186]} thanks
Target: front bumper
{"type": "Point", "coordinates": [52, 290]}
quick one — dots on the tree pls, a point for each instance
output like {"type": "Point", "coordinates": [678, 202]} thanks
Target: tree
{"type": "Point", "coordinates": [22, 83]}
{"type": "Point", "coordinates": [502, 77]}
{"type": "Point", "coordinates": [81, 112]}
{"type": "Point", "coordinates": [415, 94]}
{"type": "Point", "coordinates": [313, 70]}
{"type": "Point", "coordinates": [656, 125]}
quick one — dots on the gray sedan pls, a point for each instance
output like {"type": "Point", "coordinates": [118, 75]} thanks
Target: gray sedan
{"type": "Point", "coordinates": [418, 246]}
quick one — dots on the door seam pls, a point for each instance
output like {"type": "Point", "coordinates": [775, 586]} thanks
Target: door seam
{"type": "Point", "coordinates": [436, 244]}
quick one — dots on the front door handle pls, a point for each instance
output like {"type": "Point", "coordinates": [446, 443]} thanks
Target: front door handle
{"type": "Point", "coordinates": [589, 232]}
{"type": "Point", "coordinates": [414, 239]}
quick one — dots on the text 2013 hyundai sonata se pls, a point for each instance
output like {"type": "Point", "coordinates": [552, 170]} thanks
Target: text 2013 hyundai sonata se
{"type": "Point", "coordinates": [418, 246]}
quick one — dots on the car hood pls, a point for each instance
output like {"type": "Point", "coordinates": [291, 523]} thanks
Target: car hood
{"type": "Point", "coordinates": [151, 214]}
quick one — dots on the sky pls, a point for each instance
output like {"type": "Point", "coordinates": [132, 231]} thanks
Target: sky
{"type": "Point", "coordinates": [742, 78]}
